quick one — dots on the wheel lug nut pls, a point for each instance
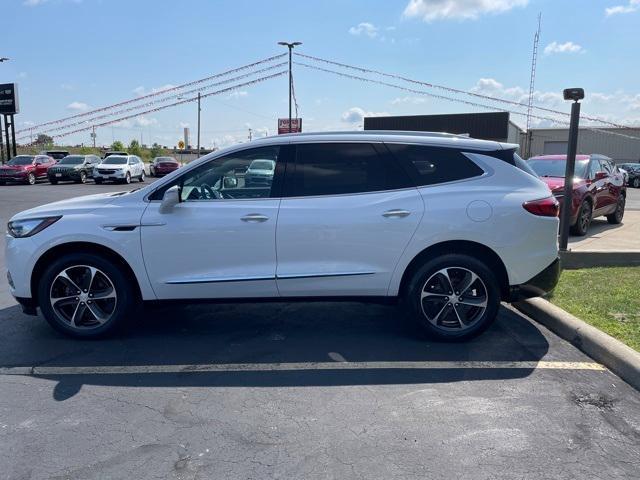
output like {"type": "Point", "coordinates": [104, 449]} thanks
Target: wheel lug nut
{"type": "Point", "coordinates": [85, 290]}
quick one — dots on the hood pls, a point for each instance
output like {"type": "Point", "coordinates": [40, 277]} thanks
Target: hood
{"type": "Point", "coordinates": [557, 183]}
{"type": "Point", "coordinates": [111, 166]}
{"type": "Point", "coordinates": [15, 167]}
{"type": "Point", "coordinates": [76, 205]}
{"type": "Point", "coordinates": [260, 171]}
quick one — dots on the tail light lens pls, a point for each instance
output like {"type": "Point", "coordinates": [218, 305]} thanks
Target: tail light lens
{"type": "Point", "coordinates": [545, 207]}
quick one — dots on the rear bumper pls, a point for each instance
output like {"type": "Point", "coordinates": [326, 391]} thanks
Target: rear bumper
{"type": "Point", "coordinates": [540, 285]}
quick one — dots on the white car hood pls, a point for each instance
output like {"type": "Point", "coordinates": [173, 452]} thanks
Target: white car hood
{"type": "Point", "coordinates": [75, 205]}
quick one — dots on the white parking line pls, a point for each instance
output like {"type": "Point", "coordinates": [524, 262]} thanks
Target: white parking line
{"type": "Point", "coordinates": [283, 367]}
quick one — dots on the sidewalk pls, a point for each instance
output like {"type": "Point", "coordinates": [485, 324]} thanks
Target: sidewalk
{"type": "Point", "coordinates": [603, 237]}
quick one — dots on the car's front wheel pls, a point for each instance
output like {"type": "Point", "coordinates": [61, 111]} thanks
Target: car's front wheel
{"type": "Point", "coordinates": [127, 178]}
{"type": "Point", "coordinates": [141, 178]}
{"type": "Point", "coordinates": [31, 179]}
{"type": "Point", "coordinates": [85, 295]}
{"type": "Point", "coordinates": [636, 182]}
{"type": "Point", "coordinates": [583, 221]}
{"type": "Point", "coordinates": [453, 297]}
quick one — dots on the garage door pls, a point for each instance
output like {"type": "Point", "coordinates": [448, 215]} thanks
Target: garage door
{"type": "Point", "coordinates": [555, 148]}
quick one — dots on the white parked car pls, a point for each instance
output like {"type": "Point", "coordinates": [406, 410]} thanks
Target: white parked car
{"type": "Point", "coordinates": [119, 168]}
{"type": "Point", "coordinates": [448, 224]}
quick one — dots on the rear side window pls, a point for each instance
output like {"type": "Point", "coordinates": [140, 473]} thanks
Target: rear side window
{"type": "Point", "coordinates": [433, 165]}
{"type": "Point", "coordinates": [341, 168]}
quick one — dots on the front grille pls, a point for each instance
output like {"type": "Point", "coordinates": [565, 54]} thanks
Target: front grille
{"type": "Point", "coordinates": [106, 172]}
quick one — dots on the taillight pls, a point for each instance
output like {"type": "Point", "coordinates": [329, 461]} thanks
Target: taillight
{"type": "Point", "coordinates": [545, 207]}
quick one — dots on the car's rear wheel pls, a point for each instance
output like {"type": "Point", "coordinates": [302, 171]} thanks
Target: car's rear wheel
{"type": "Point", "coordinates": [85, 295]}
{"type": "Point", "coordinates": [583, 221]}
{"type": "Point", "coordinates": [31, 179]}
{"type": "Point", "coordinates": [616, 217]}
{"type": "Point", "coordinates": [453, 297]}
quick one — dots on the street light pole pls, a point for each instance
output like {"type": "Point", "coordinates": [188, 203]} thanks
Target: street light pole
{"type": "Point", "coordinates": [290, 46]}
{"type": "Point", "coordinates": [198, 123]}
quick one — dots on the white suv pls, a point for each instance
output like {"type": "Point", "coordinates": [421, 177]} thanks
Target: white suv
{"type": "Point", "coordinates": [119, 168]}
{"type": "Point", "coordinates": [448, 224]}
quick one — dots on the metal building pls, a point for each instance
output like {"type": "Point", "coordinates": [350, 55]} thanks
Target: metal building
{"type": "Point", "coordinates": [621, 144]}
{"type": "Point", "coordinates": [485, 126]}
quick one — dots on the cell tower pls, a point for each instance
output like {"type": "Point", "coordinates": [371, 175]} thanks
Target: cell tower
{"type": "Point", "coordinates": [532, 82]}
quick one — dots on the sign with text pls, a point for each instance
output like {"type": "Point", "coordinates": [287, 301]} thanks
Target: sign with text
{"type": "Point", "coordinates": [8, 98]}
{"type": "Point", "coordinates": [283, 125]}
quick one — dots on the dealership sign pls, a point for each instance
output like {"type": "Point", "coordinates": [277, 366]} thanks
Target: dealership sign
{"type": "Point", "coordinates": [283, 125]}
{"type": "Point", "coordinates": [8, 98]}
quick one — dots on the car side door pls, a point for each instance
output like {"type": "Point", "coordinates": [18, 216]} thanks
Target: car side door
{"type": "Point", "coordinates": [219, 241]}
{"type": "Point", "coordinates": [348, 213]}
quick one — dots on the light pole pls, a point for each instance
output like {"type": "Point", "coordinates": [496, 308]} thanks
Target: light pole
{"type": "Point", "coordinates": [199, 109]}
{"type": "Point", "coordinates": [290, 46]}
{"type": "Point", "coordinates": [574, 94]}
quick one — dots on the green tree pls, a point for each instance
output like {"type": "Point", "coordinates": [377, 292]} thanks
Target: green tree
{"type": "Point", "coordinates": [134, 148]}
{"type": "Point", "coordinates": [45, 140]}
{"type": "Point", "coordinates": [117, 146]}
{"type": "Point", "coordinates": [156, 150]}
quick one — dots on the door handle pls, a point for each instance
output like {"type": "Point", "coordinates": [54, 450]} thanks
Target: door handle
{"type": "Point", "coordinates": [255, 218]}
{"type": "Point", "coordinates": [396, 213]}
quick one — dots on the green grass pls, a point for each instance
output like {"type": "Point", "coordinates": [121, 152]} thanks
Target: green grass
{"type": "Point", "coordinates": [607, 298]}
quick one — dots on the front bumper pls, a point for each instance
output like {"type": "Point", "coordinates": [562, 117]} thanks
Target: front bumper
{"type": "Point", "coordinates": [117, 175]}
{"type": "Point", "coordinates": [61, 176]}
{"type": "Point", "coordinates": [543, 283]}
{"type": "Point", "coordinates": [14, 177]}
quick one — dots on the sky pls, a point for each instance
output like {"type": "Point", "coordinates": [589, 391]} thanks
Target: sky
{"type": "Point", "coordinates": [71, 56]}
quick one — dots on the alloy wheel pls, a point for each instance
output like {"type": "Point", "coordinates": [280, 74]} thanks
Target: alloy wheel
{"type": "Point", "coordinates": [636, 182]}
{"type": "Point", "coordinates": [620, 208]}
{"type": "Point", "coordinates": [83, 297]}
{"type": "Point", "coordinates": [585, 216]}
{"type": "Point", "coordinates": [83, 177]}
{"type": "Point", "coordinates": [454, 299]}
{"type": "Point", "coordinates": [31, 179]}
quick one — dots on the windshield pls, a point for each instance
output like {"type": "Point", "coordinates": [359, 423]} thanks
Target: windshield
{"type": "Point", "coordinates": [21, 160]}
{"type": "Point", "coordinates": [556, 168]}
{"type": "Point", "coordinates": [262, 165]}
{"type": "Point", "coordinates": [113, 160]}
{"type": "Point", "coordinates": [630, 166]}
{"type": "Point", "coordinates": [71, 160]}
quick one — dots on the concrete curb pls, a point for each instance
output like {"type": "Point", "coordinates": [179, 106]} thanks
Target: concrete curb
{"type": "Point", "coordinates": [573, 260]}
{"type": "Point", "coordinates": [613, 354]}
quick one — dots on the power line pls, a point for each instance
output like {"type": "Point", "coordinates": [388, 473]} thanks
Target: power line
{"type": "Point", "coordinates": [181, 102]}
{"type": "Point", "coordinates": [153, 94]}
{"type": "Point", "coordinates": [458, 91]}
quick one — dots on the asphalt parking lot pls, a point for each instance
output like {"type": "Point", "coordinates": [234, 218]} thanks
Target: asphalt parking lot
{"type": "Point", "coordinates": [320, 390]}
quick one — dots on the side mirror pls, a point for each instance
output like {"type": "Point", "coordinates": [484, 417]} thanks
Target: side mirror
{"type": "Point", "coordinates": [601, 175]}
{"type": "Point", "coordinates": [170, 199]}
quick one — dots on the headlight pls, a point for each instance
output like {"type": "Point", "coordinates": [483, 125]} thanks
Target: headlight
{"type": "Point", "coordinates": [29, 227]}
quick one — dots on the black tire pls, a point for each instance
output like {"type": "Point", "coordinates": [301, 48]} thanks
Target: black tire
{"type": "Point", "coordinates": [141, 178]}
{"type": "Point", "coordinates": [636, 182]}
{"type": "Point", "coordinates": [98, 181]}
{"type": "Point", "coordinates": [127, 178]}
{"type": "Point", "coordinates": [446, 325]}
{"type": "Point", "coordinates": [31, 179]}
{"type": "Point", "coordinates": [585, 215]}
{"type": "Point", "coordinates": [120, 310]}
{"type": "Point", "coordinates": [83, 177]}
{"type": "Point", "coordinates": [616, 217]}
{"type": "Point", "coordinates": [151, 173]}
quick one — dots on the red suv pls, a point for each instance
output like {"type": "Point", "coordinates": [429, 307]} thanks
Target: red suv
{"type": "Point", "coordinates": [26, 169]}
{"type": "Point", "coordinates": [598, 187]}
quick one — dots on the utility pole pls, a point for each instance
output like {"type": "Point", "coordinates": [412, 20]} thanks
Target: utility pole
{"type": "Point", "coordinates": [290, 46]}
{"type": "Point", "coordinates": [250, 134]}
{"type": "Point", "coordinates": [198, 123]}
{"type": "Point", "coordinates": [93, 135]}
{"type": "Point", "coordinates": [532, 81]}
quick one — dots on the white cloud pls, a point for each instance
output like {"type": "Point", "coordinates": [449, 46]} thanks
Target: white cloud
{"type": "Point", "coordinates": [413, 100]}
{"type": "Point", "coordinates": [145, 122]}
{"type": "Point", "coordinates": [364, 28]}
{"type": "Point", "coordinates": [430, 10]}
{"type": "Point", "coordinates": [78, 106]}
{"type": "Point", "coordinates": [630, 7]}
{"type": "Point", "coordinates": [566, 47]}
{"type": "Point", "coordinates": [238, 94]}
{"type": "Point", "coordinates": [140, 91]}
{"type": "Point", "coordinates": [33, 3]}
{"type": "Point", "coordinates": [357, 114]}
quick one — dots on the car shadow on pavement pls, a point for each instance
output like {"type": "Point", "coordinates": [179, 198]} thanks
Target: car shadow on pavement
{"type": "Point", "coordinates": [375, 336]}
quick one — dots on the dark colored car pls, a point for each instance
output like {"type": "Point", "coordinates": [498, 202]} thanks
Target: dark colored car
{"type": "Point", "coordinates": [108, 154]}
{"type": "Point", "coordinates": [163, 165]}
{"type": "Point", "coordinates": [633, 169]}
{"type": "Point", "coordinates": [598, 187]}
{"type": "Point", "coordinates": [26, 169]}
{"type": "Point", "coordinates": [55, 154]}
{"type": "Point", "coordinates": [76, 168]}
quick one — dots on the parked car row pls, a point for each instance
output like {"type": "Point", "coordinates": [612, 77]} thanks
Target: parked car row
{"type": "Point", "coordinates": [633, 171]}
{"type": "Point", "coordinates": [59, 166]}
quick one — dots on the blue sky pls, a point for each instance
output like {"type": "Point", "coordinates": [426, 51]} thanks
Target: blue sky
{"type": "Point", "coordinates": [71, 55]}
